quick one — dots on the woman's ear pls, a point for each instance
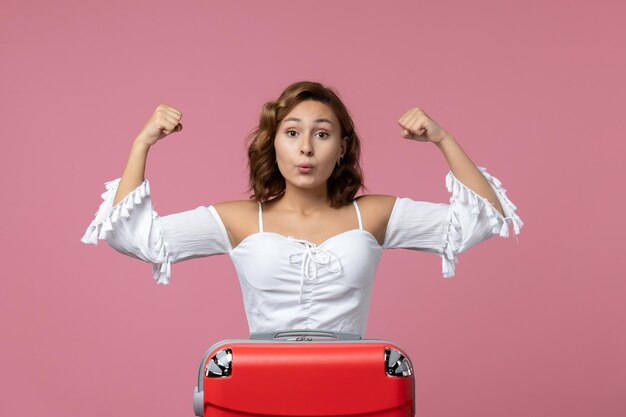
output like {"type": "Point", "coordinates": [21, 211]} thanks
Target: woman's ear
{"type": "Point", "coordinates": [344, 146]}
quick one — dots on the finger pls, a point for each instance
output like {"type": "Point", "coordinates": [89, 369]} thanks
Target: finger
{"type": "Point", "coordinates": [168, 127]}
{"type": "Point", "coordinates": [408, 125]}
{"type": "Point", "coordinates": [419, 124]}
{"type": "Point", "coordinates": [173, 112]}
{"type": "Point", "coordinates": [171, 119]}
{"type": "Point", "coordinates": [406, 133]}
{"type": "Point", "coordinates": [411, 113]}
{"type": "Point", "coordinates": [166, 107]}
{"type": "Point", "coordinates": [410, 117]}
{"type": "Point", "coordinates": [402, 121]}
{"type": "Point", "coordinates": [405, 121]}
{"type": "Point", "coordinates": [170, 115]}
{"type": "Point", "coordinates": [166, 110]}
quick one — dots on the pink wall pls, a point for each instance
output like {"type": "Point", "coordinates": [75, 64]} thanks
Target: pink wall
{"type": "Point", "coordinates": [533, 91]}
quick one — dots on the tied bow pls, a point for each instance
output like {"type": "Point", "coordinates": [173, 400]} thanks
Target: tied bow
{"type": "Point", "coordinates": [312, 253]}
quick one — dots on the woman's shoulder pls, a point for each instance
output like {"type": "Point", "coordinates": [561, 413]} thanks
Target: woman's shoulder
{"type": "Point", "coordinates": [376, 203]}
{"type": "Point", "coordinates": [236, 210]}
{"type": "Point", "coordinates": [236, 205]}
{"type": "Point", "coordinates": [375, 210]}
{"type": "Point", "coordinates": [240, 217]}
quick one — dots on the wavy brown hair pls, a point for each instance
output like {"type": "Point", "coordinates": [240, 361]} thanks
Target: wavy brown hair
{"type": "Point", "coordinates": [266, 181]}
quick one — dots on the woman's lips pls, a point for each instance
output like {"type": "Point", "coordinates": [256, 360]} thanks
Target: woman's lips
{"type": "Point", "coordinates": [305, 168]}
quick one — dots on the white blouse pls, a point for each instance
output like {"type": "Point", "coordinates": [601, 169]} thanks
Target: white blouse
{"type": "Point", "coordinates": [292, 284]}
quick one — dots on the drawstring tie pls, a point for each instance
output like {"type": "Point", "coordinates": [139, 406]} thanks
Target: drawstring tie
{"type": "Point", "coordinates": [312, 253]}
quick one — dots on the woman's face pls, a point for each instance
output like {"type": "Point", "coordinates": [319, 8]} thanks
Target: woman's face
{"type": "Point", "coordinates": [308, 144]}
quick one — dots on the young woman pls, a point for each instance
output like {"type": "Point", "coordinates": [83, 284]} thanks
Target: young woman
{"type": "Point", "coordinates": [305, 250]}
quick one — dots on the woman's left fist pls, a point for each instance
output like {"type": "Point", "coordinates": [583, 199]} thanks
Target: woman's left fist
{"type": "Point", "coordinates": [417, 125]}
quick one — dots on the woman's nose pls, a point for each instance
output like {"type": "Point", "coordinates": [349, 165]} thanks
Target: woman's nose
{"type": "Point", "coordinates": [306, 148]}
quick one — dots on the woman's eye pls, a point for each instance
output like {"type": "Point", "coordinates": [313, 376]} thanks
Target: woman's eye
{"type": "Point", "coordinates": [292, 133]}
{"type": "Point", "coordinates": [323, 135]}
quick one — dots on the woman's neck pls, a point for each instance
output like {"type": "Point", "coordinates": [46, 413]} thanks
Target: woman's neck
{"type": "Point", "coordinates": [303, 200]}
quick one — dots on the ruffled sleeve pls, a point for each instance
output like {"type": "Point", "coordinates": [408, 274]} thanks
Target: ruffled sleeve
{"type": "Point", "coordinates": [450, 229]}
{"type": "Point", "coordinates": [135, 229]}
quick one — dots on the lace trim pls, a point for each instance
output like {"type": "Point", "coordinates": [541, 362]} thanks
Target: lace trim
{"type": "Point", "coordinates": [107, 216]}
{"type": "Point", "coordinates": [500, 225]}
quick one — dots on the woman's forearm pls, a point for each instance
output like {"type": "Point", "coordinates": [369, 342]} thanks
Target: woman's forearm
{"type": "Point", "coordinates": [466, 171]}
{"type": "Point", "coordinates": [134, 172]}
{"type": "Point", "coordinates": [164, 121]}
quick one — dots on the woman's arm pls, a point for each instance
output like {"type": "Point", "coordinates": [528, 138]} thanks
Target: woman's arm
{"type": "Point", "coordinates": [127, 221]}
{"type": "Point", "coordinates": [417, 125]}
{"type": "Point", "coordinates": [478, 209]}
{"type": "Point", "coordinates": [134, 172]}
{"type": "Point", "coordinates": [164, 120]}
{"type": "Point", "coordinates": [466, 171]}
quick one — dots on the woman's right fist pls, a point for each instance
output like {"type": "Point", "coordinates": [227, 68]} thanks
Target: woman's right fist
{"type": "Point", "coordinates": [164, 120]}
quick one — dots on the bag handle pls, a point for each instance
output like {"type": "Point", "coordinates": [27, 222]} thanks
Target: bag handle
{"type": "Point", "coordinates": [304, 335]}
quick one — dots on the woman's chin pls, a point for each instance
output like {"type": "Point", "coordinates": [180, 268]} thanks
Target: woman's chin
{"type": "Point", "coordinates": [307, 184]}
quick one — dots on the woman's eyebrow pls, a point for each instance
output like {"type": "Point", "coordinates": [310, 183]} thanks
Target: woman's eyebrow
{"type": "Point", "coordinates": [295, 119]}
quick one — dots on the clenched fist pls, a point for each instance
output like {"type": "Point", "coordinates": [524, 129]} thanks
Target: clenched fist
{"type": "Point", "coordinates": [164, 120]}
{"type": "Point", "coordinates": [417, 125]}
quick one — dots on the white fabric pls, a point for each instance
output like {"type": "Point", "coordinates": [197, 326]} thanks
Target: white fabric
{"type": "Point", "coordinates": [134, 228]}
{"type": "Point", "coordinates": [290, 283]}
{"type": "Point", "coordinates": [450, 229]}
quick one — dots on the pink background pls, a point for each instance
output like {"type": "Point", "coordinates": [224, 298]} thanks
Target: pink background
{"type": "Point", "coordinates": [533, 90]}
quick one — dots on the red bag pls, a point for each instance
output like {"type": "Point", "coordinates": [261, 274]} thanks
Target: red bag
{"type": "Point", "coordinates": [305, 373]}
